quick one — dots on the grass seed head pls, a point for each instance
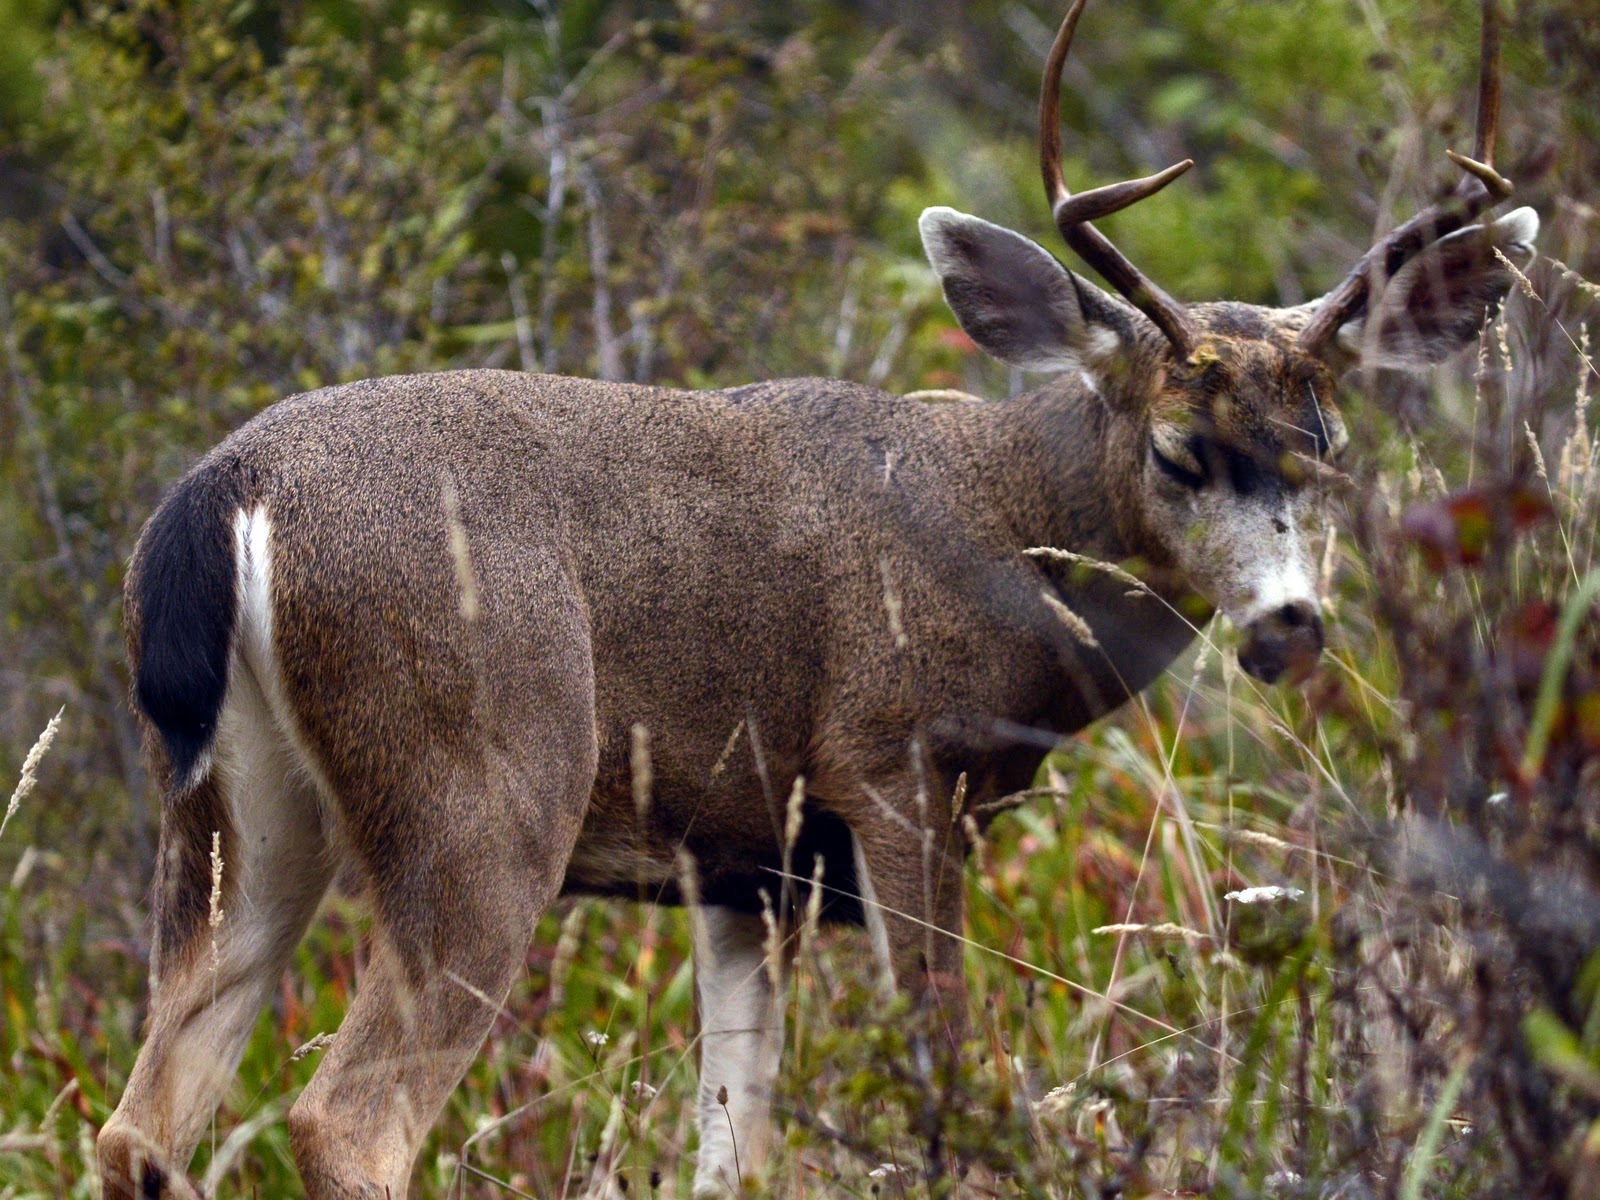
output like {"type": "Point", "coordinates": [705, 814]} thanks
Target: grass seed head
{"type": "Point", "coordinates": [30, 768]}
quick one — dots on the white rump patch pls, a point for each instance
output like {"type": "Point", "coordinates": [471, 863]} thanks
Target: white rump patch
{"type": "Point", "coordinates": [253, 563]}
{"type": "Point", "coordinates": [254, 646]}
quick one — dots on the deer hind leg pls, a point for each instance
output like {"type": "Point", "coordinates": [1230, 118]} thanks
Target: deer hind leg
{"type": "Point", "coordinates": [454, 910]}
{"type": "Point", "coordinates": [210, 981]}
{"type": "Point", "coordinates": [741, 1041]}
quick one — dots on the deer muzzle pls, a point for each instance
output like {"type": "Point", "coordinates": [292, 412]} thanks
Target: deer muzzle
{"type": "Point", "coordinates": [1284, 643]}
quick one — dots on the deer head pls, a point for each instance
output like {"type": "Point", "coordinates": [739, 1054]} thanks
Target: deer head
{"type": "Point", "coordinates": [1221, 412]}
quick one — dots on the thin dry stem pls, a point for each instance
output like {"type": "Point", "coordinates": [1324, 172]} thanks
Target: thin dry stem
{"type": "Point", "coordinates": [721, 765]}
{"type": "Point", "coordinates": [643, 773]}
{"type": "Point", "coordinates": [1526, 287]}
{"type": "Point", "coordinates": [892, 606]}
{"type": "Point", "coordinates": [1161, 930]}
{"type": "Point", "coordinates": [1095, 564]}
{"type": "Point", "coordinates": [460, 553]}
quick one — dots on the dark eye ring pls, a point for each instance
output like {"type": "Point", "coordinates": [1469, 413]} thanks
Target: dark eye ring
{"type": "Point", "coordinates": [1193, 480]}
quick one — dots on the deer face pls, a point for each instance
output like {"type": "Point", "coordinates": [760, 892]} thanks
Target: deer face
{"type": "Point", "coordinates": [1218, 413]}
{"type": "Point", "coordinates": [1215, 447]}
{"type": "Point", "coordinates": [1234, 439]}
{"type": "Point", "coordinates": [1216, 409]}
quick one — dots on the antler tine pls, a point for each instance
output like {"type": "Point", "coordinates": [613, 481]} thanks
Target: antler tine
{"type": "Point", "coordinates": [1073, 212]}
{"type": "Point", "coordinates": [1482, 189]}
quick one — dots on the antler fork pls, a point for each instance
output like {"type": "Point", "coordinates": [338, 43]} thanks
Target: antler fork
{"type": "Point", "coordinates": [1481, 189]}
{"type": "Point", "coordinates": [1074, 212]}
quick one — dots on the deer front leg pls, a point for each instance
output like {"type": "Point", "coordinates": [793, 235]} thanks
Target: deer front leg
{"type": "Point", "coordinates": [911, 897]}
{"type": "Point", "coordinates": [741, 1040]}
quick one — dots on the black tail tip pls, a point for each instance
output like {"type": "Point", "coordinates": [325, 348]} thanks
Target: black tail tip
{"type": "Point", "coordinates": [183, 588]}
{"type": "Point", "coordinates": [186, 721]}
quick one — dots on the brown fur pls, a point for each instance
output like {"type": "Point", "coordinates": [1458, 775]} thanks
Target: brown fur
{"type": "Point", "coordinates": [836, 573]}
{"type": "Point", "coordinates": [685, 562]}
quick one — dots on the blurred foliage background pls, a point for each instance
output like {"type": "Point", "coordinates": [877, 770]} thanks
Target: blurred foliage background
{"type": "Point", "coordinates": [207, 206]}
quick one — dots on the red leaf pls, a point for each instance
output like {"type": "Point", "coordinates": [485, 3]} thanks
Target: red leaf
{"type": "Point", "coordinates": [1457, 529]}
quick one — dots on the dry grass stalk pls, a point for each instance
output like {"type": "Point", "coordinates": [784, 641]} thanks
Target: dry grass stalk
{"type": "Point", "coordinates": [689, 891]}
{"type": "Point", "coordinates": [974, 836]}
{"type": "Point", "coordinates": [1257, 838]}
{"type": "Point", "coordinates": [1067, 556]}
{"type": "Point", "coordinates": [605, 1159]}
{"type": "Point", "coordinates": [1525, 286]}
{"type": "Point", "coordinates": [1330, 554]}
{"type": "Point", "coordinates": [565, 955]}
{"type": "Point", "coordinates": [321, 1042]}
{"type": "Point", "coordinates": [1577, 456]}
{"type": "Point", "coordinates": [1076, 624]}
{"type": "Point", "coordinates": [772, 947]}
{"type": "Point", "coordinates": [892, 606]}
{"type": "Point", "coordinates": [721, 765]}
{"type": "Point", "coordinates": [1202, 658]}
{"type": "Point", "coordinates": [30, 768]}
{"type": "Point", "coordinates": [460, 556]}
{"type": "Point", "coordinates": [1161, 931]}
{"type": "Point", "coordinates": [214, 905]}
{"type": "Point", "coordinates": [944, 396]}
{"type": "Point", "coordinates": [958, 799]}
{"type": "Point", "coordinates": [1538, 454]}
{"type": "Point", "coordinates": [66, 1093]}
{"type": "Point", "coordinates": [643, 773]}
{"type": "Point", "coordinates": [813, 902]}
{"type": "Point", "coordinates": [794, 814]}
{"type": "Point", "coordinates": [1591, 290]}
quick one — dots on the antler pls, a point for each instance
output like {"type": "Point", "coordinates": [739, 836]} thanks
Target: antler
{"type": "Point", "coordinates": [1481, 189]}
{"type": "Point", "coordinates": [1073, 213]}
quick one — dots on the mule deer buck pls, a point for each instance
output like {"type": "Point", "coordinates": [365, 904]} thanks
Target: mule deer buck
{"type": "Point", "coordinates": [415, 624]}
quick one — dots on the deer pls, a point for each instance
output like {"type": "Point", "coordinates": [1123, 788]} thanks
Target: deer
{"type": "Point", "coordinates": [422, 627]}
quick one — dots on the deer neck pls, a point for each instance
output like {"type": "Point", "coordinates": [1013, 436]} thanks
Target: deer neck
{"type": "Point", "coordinates": [1058, 476]}
{"type": "Point", "coordinates": [1063, 471]}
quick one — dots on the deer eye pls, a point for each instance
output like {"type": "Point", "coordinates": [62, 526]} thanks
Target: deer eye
{"type": "Point", "coordinates": [1176, 458]}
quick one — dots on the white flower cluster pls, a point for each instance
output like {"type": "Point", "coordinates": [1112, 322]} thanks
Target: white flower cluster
{"type": "Point", "coordinates": [1270, 894]}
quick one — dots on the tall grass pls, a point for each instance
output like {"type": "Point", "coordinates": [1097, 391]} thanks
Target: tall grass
{"type": "Point", "coordinates": [1409, 1006]}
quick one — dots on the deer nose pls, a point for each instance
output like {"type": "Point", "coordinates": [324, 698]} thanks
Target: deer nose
{"type": "Point", "coordinates": [1283, 643]}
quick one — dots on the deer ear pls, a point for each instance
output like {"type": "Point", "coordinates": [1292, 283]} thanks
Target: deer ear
{"type": "Point", "coordinates": [1016, 301]}
{"type": "Point", "coordinates": [1437, 303]}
